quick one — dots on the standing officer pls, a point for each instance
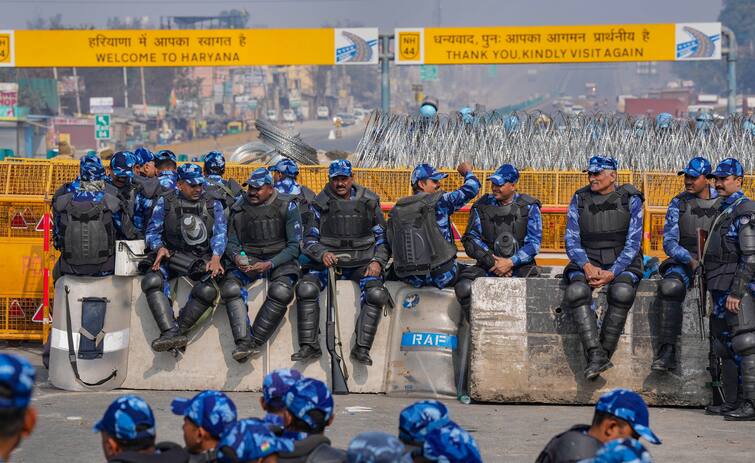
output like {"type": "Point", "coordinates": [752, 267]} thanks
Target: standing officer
{"type": "Point", "coordinates": [419, 229]}
{"type": "Point", "coordinates": [165, 164]}
{"type": "Point", "coordinates": [690, 211]}
{"type": "Point", "coordinates": [18, 417]}
{"type": "Point", "coordinates": [226, 191]}
{"type": "Point", "coordinates": [729, 263]}
{"type": "Point", "coordinates": [206, 417]}
{"type": "Point", "coordinates": [88, 215]}
{"type": "Point", "coordinates": [503, 235]}
{"type": "Point", "coordinates": [347, 230]}
{"type": "Point", "coordinates": [603, 238]}
{"type": "Point", "coordinates": [285, 172]}
{"type": "Point", "coordinates": [264, 236]}
{"type": "Point", "coordinates": [145, 163]}
{"type": "Point", "coordinates": [188, 230]}
{"type": "Point", "coordinates": [138, 197]}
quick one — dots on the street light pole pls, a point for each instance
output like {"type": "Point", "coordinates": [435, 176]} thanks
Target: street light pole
{"type": "Point", "coordinates": [385, 75]}
{"type": "Point", "coordinates": [731, 64]}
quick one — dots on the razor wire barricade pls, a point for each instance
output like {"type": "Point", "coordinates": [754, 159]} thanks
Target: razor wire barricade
{"type": "Point", "coordinates": [558, 141]}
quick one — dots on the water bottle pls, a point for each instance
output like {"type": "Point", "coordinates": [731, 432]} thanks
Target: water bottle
{"type": "Point", "coordinates": [243, 259]}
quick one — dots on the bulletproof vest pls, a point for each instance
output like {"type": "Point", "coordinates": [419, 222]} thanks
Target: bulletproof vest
{"type": "Point", "coordinates": [695, 213]}
{"type": "Point", "coordinates": [346, 224]}
{"type": "Point", "coordinates": [304, 199]}
{"type": "Point", "coordinates": [570, 446]}
{"type": "Point", "coordinates": [417, 242]}
{"type": "Point", "coordinates": [604, 222]}
{"type": "Point", "coordinates": [261, 228]}
{"type": "Point", "coordinates": [149, 187]}
{"type": "Point", "coordinates": [510, 219]}
{"type": "Point", "coordinates": [87, 229]}
{"type": "Point", "coordinates": [188, 224]}
{"type": "Point", "coordinates": [721, 254]}
{"type": "Point", "coordinates": [225, 192]}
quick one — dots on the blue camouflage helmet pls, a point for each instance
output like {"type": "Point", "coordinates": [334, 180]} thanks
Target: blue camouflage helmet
{"type": "Point", "coordinates": [122, 164]}
{"type": "Point", "coordinates": [376, 447]}
{"type": "Point", "coordinates": [277, 383]}
{"type": "Point", "coordinates": [626, 450]}
{"type": "Point", "coordinates": [429, 107]}
{"type": "Point", "coordinates": [467, 114]}
{"type": "Point", "coordinates": [143, 156]}
{"type": "Point", "coordinates": [17, 378]}
{"type": "Point", "coordinates": [598, 164]}
{"type": "Point", "coordinates": [212, 410]}
{"type": "Point", "coordinates": [749, 126]}
{"type": "Point", "coordinates": [696, 167]}
{"type": "Point", "coordinates": [628, 406]}
{"type": "Point", "coordinates": [505, 174]}
{"type": "Point", "coordinates": [214, 163]}
{"type": "Point", "coordinates": [703, 121]}
{"type": "Point", "coordinates": [416, 420]}
{"type": "Point", "coordinates": [511, 122]}
{"type": "Point", "coordinates": [191, 174]}
{"type": "Point", "coordinates": [165, 155]}
{"type": "Point", "coordinates": [451, 444]}
{"type": "Point", "coordinates": [727, 167]}
{"type": "Point", "coordinates": [663, 120]}
{"type": "Point", "coordinates": [286, 167]}
{"type": "Point", "coordinates": [250, 440]}
{"type": "Point", "coordinates": [90, 168]}
{"type": "Point", "coordinates": [128, 418]}
{"type": "Point", "coordinates": [306, 395]}
{"type": "Point", "coordinates": [339, 168]}
{"type": "Point", "coordinates": [424, 171]}
{"type": "Point", "coordinates": [258, 178]}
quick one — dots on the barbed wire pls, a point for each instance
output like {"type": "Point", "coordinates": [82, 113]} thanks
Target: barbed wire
{"type": "Point", "coordinates": [556, 141]}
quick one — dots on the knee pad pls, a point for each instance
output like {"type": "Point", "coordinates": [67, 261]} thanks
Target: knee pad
{"type": "Point", "coordinates": [280, 292]}
{"type": "Point", "coordinates": [230, 290]}
{"type": "Point", "coordinates": [307, 290]}
{"type": "Point", "coordinates": [375, 294]}
{"type": "Point", "coordinates": [152, 281]}
{"type": "Point", "coordinates": [204, 292]}
{"type": "Point", "coordinates": [672, 288]}
{"type": "Point", "coordinates": [463, 289]}
{"type": "Point", "coordinates": [744, 344]}
{"type": "Point", "coordinates": [621, 295]}
{"type": "Point", "coordinates": [577, 294]}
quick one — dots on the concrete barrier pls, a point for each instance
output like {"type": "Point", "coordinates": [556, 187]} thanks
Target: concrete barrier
{"type": "Point", "coordinates": [525, 348]}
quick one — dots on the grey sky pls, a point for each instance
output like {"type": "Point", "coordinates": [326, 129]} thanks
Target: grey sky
{"type": "Point", "coordinates": [385, 14]}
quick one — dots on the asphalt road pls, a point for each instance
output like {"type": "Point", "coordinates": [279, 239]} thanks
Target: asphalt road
{"type": "Point", "coordinates": [505, 433]}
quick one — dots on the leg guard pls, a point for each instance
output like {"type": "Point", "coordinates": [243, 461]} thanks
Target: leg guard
{"type": "Point", "coordinates": [159, 305]}
{"type": "Point", "coordinates": [620, 299]}
{"type": "Point", "coordinates": [279, 295]}
{"type": "Point", "coordinates": [671, 292]}
{"type": "Point", "coordinates": [308, 311]}
{"type": "Point", "coordinates": [577, 294]}
{"type": "Point", "coordinates": [200, 299]}
{"type": "Point", "coordinates": [587, 326]}
{"type": "Point", "coordinates": [743, 344]}
{"type": "Point", "coordinates": [237, 311]}
{"type": "Point", "coordinates": [375, 297]}
{"type": "Point", "coordinates": [463, 290]}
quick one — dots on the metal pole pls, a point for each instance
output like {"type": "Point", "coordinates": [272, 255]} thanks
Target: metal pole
{"type": "Point", "coordinates": [144, 91]}
{"type": "Point", "coordinates": [55, 76]}
{"type": "Point", "coordinates": [731, 59]}
{"type": "Point", "coordinates": [125, 88]}
{"type": "Point", "coordinates": [78, 96]}
{"type": "Point", "coordinates": [385, 61]}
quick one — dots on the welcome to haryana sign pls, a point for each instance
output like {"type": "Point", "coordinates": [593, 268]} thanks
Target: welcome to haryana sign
{"type": "Point", "coordinates": [148, 48]}
{"type": "Point", "coordinates": [559, 44]}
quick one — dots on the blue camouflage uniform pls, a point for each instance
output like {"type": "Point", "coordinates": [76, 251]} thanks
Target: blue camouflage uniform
{"type": "Point", "coordinates": [418, 419]}
{"type": "Point", "coordinates": [302, 397]}
{"type": "Point", "coordinates": [275, 385]}
{"type": "Point", "coordinates": [122, 164]}
{"type": "Point", "coordinates": [625, 450]}
{"type": "Point", "coordinates": [451, 444]}
{"type": "Point", "coordinates": [448, 203]}
{"type": "Point", "coordinates": [250, 440]}
{"type": "Point", "coordinates": [214, 169]}
{"type": "Point", "coordinates": [210, 410]}
{"type": "Point", "coordinates": [376, 447]}
{"type": "Point", "coordinates": [287, 184]}
{"type": "Point", "coordinates": [168, 178]}
{"type": "Point", "coordinates": [128, 418]}
{"type": "Point", "coordinates": [17, 377]}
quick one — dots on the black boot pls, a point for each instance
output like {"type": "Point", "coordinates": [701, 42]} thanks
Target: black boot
{"type": "Point", "coordinates": [367, 324]}
{"type": "Point", "coordinates": [587, 326]}
{"type": "Point", "coordinates": [665, 359]}
{"type": "Point", "coordinates": [723, 408]}
{"type": "Point", "coordinates": [237, 317]}
{"type": "Point", "coordinates": [669, 329]}
{"type": "Point", "coordinates": [307, 352]}
{"type": "Point", "coordinates": [170, 338]}
{"type": "Point", "coordinates": [270, 315]}
{"type": "Point", "coordinates": [308, 322]}
{"type": "Point", "coordinates": [745, 412]}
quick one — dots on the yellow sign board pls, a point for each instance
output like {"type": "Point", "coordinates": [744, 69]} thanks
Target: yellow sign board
{"type": "Point", "coordinates": [153, 48]}
{"type": "Point", "coordinates": [558, 44]}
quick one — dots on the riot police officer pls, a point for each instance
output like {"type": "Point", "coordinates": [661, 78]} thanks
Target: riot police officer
{"type": "Point", "coordinates": [145, 164]}
{"type": "Point", "coordinates": [347, 230]}
{"type": "Point", "coordinates": [690, 211]}
{"type": "Point", "coordinates": [503, 235]}
{"type": "Point", "coordinates": [188, 230]}
{"type": "Point", "coordinates": [263, 242]}
{"type": "Point", "coordinates": [425, 254]}
{"type": "Point", "coordinates": [88, 216]}
{"type": "Point", "coordinates": [603, 238]}
{"type": "Point", "coordinates": [227, 191]}
{"type": "Point", "coordinates": [729, 263]}
{"type": "Point", "coordinates": [165, 165]}
{"type": "Point", "coordinates": [138, 198]}
{"type": "Point", "coordinates": [285, 172]}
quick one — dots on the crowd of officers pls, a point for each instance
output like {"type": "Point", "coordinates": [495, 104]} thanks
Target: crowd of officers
{"type": "Point", "coordinates": [226, 236]}
{"type": "Point", "coordinates": [296, 413]}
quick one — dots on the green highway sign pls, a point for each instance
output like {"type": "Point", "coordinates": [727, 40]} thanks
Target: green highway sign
{"type": "Point", "coordinates": [428, 72]}
{"type": "Point", "coordinates": [102, 126]}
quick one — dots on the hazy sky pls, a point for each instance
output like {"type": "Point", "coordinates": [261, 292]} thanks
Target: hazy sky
{"type": "Point", "coordinates": [385, 14]}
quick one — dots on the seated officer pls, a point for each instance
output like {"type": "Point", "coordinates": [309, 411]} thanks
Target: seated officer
{"type": "Point", "coordinates": [504, 234]}
{"type": "Point", "coordinates": [17, 416]}
{"type": "Point", "coordinates": [88, 216]}
{"type": "Point", "coordinates": [188, 230]}
{"type": "Point", "coordinates": [165, 165]}
{"type": "Point", "coordinates": [285, 172]}
{"type": "Point", "coordinates": [694, 209]}
{"type": "Point", "coordinates": [346, 231]}
{"type": "Point", "coordinates": [264, 236]}
{"type": "Point", "coordinates": [207, 416]}
{"type": "Point", "coordinates": [226, 191]}
{"type": "Point", "coordinates": [419, 228]}
{"type": "Point", "coordinates": [128, 433]}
